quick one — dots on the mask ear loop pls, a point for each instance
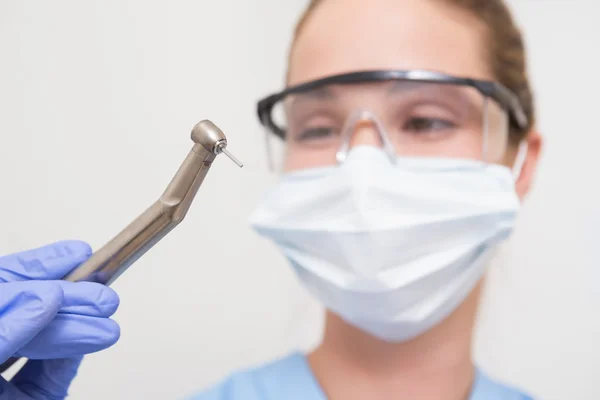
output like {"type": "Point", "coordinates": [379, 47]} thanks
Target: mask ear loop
{"type": "Point", "coordinates": [346, 134]}
{"type": "Point", "coordinates": [517, 168]}
{"type": "Point", "coordinates": [486, 131]}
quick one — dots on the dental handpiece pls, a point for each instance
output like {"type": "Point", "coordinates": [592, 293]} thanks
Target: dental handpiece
{"type": "Point", "coordinates": [115, 257]}
{"type": "Point", "coordinates": [110, 261]}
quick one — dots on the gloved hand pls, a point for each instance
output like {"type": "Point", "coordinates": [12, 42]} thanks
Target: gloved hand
{"type": "Point", "coordinates": [51, 322]}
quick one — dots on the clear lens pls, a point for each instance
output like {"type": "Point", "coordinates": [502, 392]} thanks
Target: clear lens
{"type": "Point", "coordinates": [420, 119]}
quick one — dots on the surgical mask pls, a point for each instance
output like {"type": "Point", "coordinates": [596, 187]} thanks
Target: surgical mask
{"type": "Point", "coordinates": [391, 246]}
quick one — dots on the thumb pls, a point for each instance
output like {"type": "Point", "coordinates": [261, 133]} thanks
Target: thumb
{"type": "Point", "coordinates": [25, 309]}
{"type": "Point", "coordinates": [47, 379]}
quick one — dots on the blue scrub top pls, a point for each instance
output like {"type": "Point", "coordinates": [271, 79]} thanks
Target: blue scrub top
{"type": "Point", "coordinates": [291, 378]}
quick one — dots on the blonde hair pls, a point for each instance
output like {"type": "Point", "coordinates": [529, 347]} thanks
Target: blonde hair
{"type": "Point", "coordinates": [506, 50]}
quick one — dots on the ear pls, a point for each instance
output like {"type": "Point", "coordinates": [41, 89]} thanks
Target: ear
{"type": "Point", "coordinates": [524, 181]}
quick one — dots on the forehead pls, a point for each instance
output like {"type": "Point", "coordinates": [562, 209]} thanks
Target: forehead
{"type": "Point", "coordinates": [348, 35]}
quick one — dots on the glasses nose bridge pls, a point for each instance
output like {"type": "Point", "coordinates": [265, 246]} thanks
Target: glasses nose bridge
{"type": "Point", "coordinates": [363, 128]}
{"type": "Point", "coordinates": [364, 131]}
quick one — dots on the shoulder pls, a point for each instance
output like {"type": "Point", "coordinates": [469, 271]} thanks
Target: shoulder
{"type": "Point", "coordinates": [488, 388]}
{"type": "Point", "coordinates": [284, 378]}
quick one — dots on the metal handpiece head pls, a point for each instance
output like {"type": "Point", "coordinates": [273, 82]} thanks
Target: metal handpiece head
{"type": "Point", "coordinates": [212, 139]}
{"type": "Point", "coordinates": [208, 135]}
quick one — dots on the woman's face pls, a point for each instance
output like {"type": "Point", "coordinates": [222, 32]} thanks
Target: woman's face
{"type": "Point", "coordinates": [350, 35]}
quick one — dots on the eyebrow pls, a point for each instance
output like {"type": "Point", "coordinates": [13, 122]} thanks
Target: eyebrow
{"type": "Point", "coordinates": [322, 93]}
{"type": "Point", "coordinates": [401, 86]}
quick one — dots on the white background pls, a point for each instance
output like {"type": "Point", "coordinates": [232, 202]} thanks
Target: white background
{"type": "Point", "coordinates": [97, 99]}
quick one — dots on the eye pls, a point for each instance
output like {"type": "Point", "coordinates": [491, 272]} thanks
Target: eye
{"type": "Point", "coordinates": [427, 124]}
{"type": "Point", "coordinates": [315, 133]}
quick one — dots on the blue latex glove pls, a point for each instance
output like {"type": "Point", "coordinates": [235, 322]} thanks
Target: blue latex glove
{"type": "Point", "coordinates": [51, 322]}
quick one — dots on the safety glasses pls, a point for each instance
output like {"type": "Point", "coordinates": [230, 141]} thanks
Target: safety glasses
{"type": "Point", "coordinates": [412, 113]}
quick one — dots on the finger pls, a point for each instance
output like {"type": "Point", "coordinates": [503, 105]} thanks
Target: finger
{"type": "Point", "coordinates": [26, 308]}
{"type": "Point", "coordinates": [46, 379]}
{"type": "Point", "coordinates": [70, 335]}
{"type": "Point", "coordinates": [52, 261]}
{"type": "Point", "coordinates": [87, 298]}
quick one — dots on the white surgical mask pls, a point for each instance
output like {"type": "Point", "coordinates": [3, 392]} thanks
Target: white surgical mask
{"type": "Point", "coordinates": [391, 247]}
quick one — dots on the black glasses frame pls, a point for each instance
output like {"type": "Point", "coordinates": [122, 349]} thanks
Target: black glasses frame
{"type": "Point", "coordinates": [502, 95]}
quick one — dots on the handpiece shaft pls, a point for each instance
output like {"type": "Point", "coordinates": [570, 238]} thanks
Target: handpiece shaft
{"type": "Point", "coordinates": [115, 257]}
{"type": "Point", "coordinates": [110, 261]}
